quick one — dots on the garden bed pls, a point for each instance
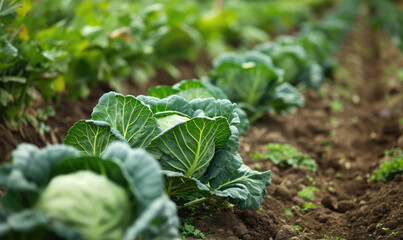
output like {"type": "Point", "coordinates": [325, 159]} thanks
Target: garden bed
{"type": "Point", "coordinates": [345, 127]}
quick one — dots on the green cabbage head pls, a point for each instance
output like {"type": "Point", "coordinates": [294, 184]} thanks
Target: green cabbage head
{"type": "Point", "coordinates": [90, 203]}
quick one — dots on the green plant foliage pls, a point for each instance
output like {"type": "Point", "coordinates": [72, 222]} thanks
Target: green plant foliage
{"type": "Point", "coordinates": [252, 81]}
{"type": "Point", "coordinates": [76, 200]}
{"type": "Point", "coordinates": [193, 89]}
{"type": "Point", "coordinates": [388, 17]}
{"type": "Point", "coordinates": [195, 142]}
{"type": "Point", "coordinates": [392, 166]}
{"type": "Point", "coordinates": [289, 54]}
{"type": "Point", "coordinates": [285, 155]}
{"type": "Point", "coordinates": [51, 192]}
{"type": "Point", "coordinates": [307, 193]}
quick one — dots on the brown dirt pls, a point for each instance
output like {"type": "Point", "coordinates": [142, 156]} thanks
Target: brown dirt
{"type": "Point", "coordinates": [347, 152]}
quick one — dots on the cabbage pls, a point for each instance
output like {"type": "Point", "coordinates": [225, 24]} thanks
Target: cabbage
{"type": "Point", "coordinates": [90, 203]}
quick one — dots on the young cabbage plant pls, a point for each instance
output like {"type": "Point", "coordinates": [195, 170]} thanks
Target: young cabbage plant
{"type": "Point", "coordinates": [252, 81]}
{"type": "Point", "coordinates": [193, 89]}
{"type": "Point", "coordinates": [288, 54]}
{"type": "Point", "coordinates": [285, 155]}
{"type": "Point", "coordinates": [194, 141]}
{"type": "Point", "coordinates": [58, 193]}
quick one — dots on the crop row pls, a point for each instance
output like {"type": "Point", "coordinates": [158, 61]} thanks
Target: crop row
{"type": "Point", "coordinates": [121, 174]}
{"type": "Point", "coordinates": [388, 16]}
{"type": "Point", "coordinates": [49, 46]}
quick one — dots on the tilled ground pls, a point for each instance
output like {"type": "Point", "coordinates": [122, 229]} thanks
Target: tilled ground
{"type": "Point", "coordinates": [348, 145]}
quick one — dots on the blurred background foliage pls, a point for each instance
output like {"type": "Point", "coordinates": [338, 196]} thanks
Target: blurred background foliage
{"type": "Point", "coordinates": [49, 47]}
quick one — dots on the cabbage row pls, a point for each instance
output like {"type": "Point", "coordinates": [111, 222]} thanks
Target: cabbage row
{"type": "Point", "coordinates": [119, 174]}
{"type": "Point", "coordinates": [48, 47]}
{"type": "Point", "coordinates": [271, 77]}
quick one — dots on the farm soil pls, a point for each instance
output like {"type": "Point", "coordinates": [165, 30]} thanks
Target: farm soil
{"type": "Point", "coordinates": [346, 140]}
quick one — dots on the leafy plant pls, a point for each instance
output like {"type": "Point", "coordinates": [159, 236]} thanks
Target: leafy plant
{"type": "Point", "coordinates": [193, 89]}
{"type": "Point", "coordinates": [285, 155]}
{"type": "Point", "coordinates": [195, 142]}
{"type": "Point", "coordinates": [252, 81]}
{"type": "Point", "coordinates": [188, 229]}
{"type": "Point", "coordinates": [57, 192]}
{"type": "Point", "coordinates": [290, 55]}
{"type": "Point", "coordinates": [306, 207]}
{"type": "Point", "coordinates": [307, 193]}
{"type": "Point", "coordinates": [392, 166]}
{"type": "Point", "coordinates": [297, 227]}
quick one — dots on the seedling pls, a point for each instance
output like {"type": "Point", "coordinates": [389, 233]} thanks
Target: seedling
{"type": "Point", "coordinates": [297, 227]}
{"type": "Point", "coordinates": [190, 230]}
{"type": "Point", "coordinates": [305, 207]}
{"type": "Point", "coordinates": [336, 105]}
{"type": "Point", "coordinates": [288, 212]}
{"type": "Point", "coordinates": [312, 180]}
{"type": "Point", "coordinates": [392, 166]}
{"type": "Point", "coordinates": [330, 187]}
{"type": "Point", "coordinates": [307, 193]}
{"type": "Point", "coordinates": [334, 121]}
{"type": "Point", "coordinates": [257, 166]}
{"type": "Point", "coordinates": [285, 155]}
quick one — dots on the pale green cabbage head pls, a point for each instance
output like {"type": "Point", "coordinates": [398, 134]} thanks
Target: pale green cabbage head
{"type": "Point", "coordinates": [90, 203]}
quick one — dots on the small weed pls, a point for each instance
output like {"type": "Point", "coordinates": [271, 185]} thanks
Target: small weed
{"type": "Point", "coordinates": [400, 75]}
{"type": "Point", "coordinates": [205, 218]}
{"type": "Point", "coordinates": [333, 134]}
{"type": "Point", "coordinates": [353, 120]}
{"type": "Point", "coordinates": [257, 166]}
{"type": "Point", "coordinates": [307, 193]}
{"type": "Point", "coordinates": [358, 178]}
{"type": "Point", "coordinates": [378, 225]}
{"type": "Point", "coordinates": [385, 229]}
{"type": "Point", "coordinates": [312, 180]}
{"type": "Point", "coordinates": [333, 238]}
{"type": "Point", "coordinates": [331, 189]}
{"type": "Point", "coordinates": [336, 105]}
{"type": "Point", "coordinates": [339, 175]}
{"type": "Point", "coordinates": [205, 206]}
{"type": "Point", "coordinates": [288, 212]}
{"type": "Point", "coordinates": [393, 233]}
{"type": "Point", "coordinates": [334, 121]}
{"type": "Point", "coordinates": [297, 227]}
{"type": "Point", "coordinates": [187, 229]}
{"type": "Point", "coordinates": [305, 207]}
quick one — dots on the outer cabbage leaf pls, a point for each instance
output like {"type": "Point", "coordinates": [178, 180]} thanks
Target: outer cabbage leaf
{"type": "Point", "coordinates": [92, 137]}
{"type": "Point", "coordinates": [246, 188]}
{"type": "Point", "coordinates": [284, 98]}
{"type": "Point", "coordinates": [30, 170]}
{"type": "Point", "coordinates": [171, 103]}
{"type": "Point", "coordinates": [35, 224]}
{"type": "Point", "coordinates": [181, 187]}
{"type": "Point", "coordinates": [133, 119]}
{"type": "Point", "coordinates": [226, 161]}
{"type": "Point", "coordinates": [189, 147]}
{"type": "Point", "coordinates": [188, 89]}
